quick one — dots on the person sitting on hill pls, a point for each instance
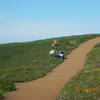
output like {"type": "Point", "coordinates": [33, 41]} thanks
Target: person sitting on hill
{"type": "Point", "coordinates": [55, 44]}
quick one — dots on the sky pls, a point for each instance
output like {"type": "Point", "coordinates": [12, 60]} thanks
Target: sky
{"type": "Point", "coordinates": [28, 20]}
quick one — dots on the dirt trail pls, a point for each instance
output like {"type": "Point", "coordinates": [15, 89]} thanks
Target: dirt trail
{"type": "Point", "coordinates": [48, 87]}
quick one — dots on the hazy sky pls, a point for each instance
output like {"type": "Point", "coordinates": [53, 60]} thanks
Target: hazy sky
{"type": "Point", "coordinates": [27, 20]}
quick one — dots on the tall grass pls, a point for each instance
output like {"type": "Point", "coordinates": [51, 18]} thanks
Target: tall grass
{"type": "Point", "coordinates": [27, 61]}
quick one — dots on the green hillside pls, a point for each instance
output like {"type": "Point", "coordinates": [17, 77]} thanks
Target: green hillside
{"type": "Point", "coordinates": [27, 61]}
{"type": "Point", "coordinates": [86, 84]}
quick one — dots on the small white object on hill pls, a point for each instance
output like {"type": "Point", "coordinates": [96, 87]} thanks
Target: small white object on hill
{"type": "Point", "coordinates": [52, 52]}
{"type": "Point", "coordinates": [61, 55]}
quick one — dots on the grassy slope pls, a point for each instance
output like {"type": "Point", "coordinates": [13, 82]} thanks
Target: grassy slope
{"type": "Point", "coordinates": [28, 61]}
{"type": "Point", "coordinates": [86, 84]}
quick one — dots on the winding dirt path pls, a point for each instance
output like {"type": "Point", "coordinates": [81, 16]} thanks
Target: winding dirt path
{"type": "Point", "coordinates": [48, 87]}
